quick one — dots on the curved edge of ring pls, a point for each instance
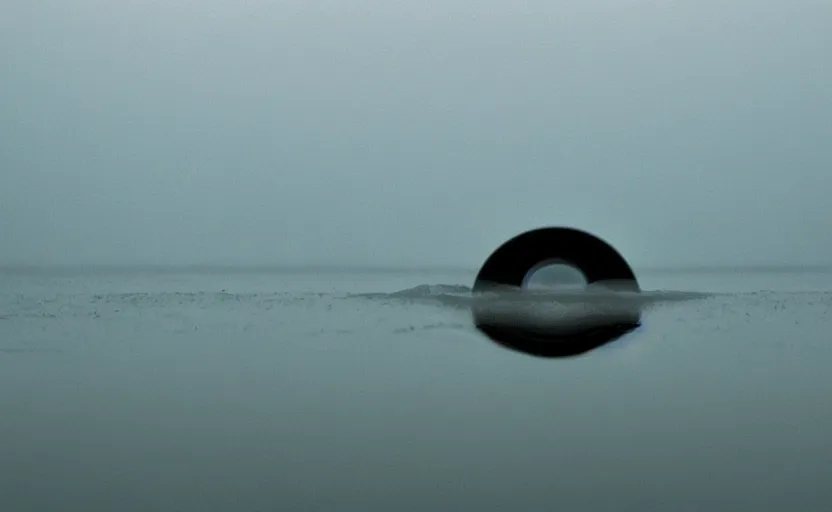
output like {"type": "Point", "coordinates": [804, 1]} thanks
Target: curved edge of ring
{"type": "Point", "coordinates": [508, 266]}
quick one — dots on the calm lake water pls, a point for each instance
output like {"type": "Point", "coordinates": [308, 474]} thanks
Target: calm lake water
{"type": "Point", "coordinates": [252, 391]}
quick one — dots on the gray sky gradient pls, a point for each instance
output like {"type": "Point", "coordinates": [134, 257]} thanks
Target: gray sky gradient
{"type": "Point", "coordinates": [413, 132]}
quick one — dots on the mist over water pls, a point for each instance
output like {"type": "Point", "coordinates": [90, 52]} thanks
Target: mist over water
{"type": "Point", "coordinates": [403, 134]}
{"type": "Point", "coordinates": [191, 139]}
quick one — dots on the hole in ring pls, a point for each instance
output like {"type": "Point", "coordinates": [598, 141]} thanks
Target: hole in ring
{"type": "Point", "coordinates": [554, 274]}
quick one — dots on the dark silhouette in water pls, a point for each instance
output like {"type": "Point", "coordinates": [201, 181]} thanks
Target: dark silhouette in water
{"type": "Point", "coordinates": [508, 268]}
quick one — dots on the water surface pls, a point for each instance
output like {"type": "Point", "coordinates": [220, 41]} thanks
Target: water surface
{"type": "Point", "coordinates": [194, 390]}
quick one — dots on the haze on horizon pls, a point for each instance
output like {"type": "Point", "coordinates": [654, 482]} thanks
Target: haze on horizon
{"type": "Point", "coordinates": [413, 133]}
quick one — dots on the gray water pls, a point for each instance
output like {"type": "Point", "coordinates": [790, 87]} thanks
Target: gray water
{"type": "Point", "coordinates": [250, 391]}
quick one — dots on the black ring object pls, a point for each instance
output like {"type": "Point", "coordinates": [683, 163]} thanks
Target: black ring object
{"type": "Point", "coordinates": [513, 261]}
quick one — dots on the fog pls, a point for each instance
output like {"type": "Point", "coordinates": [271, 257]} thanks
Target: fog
{"type": "Point", "coordinates": [412, 133]}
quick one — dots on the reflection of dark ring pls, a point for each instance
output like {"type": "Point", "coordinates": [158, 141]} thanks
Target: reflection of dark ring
{"type": "Point", "coordinates": [512, 262]}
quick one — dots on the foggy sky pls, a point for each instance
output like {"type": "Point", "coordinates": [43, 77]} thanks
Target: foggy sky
{"type": "Point", "coordinates": [412, 132]}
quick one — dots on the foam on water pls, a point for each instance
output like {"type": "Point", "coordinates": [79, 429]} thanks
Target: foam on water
{"type": "Point", "coordinates": [178, 306]}
{"type": "Point", "coordinates": [441, 305]}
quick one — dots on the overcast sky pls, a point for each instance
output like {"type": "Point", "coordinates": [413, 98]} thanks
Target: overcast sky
{"type": "Point", "coordinates": [413, 132]}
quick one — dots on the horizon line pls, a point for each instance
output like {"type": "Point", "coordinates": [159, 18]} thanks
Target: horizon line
{"type": "Point", "coordinates": [296, 267]}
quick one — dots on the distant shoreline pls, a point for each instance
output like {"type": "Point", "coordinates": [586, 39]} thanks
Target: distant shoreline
{"type": "Point", "coordinates": [379, 269]}
{"type": "Point", "coordinates": [218, 269]}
